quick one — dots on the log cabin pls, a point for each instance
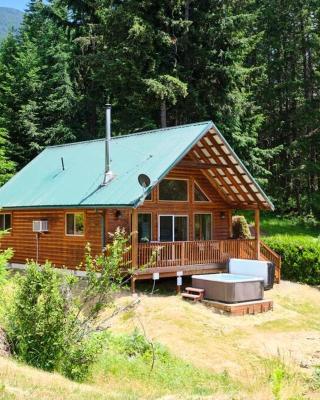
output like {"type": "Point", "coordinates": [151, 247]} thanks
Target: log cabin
{"type": "Point", "coordinates": [174, 189]}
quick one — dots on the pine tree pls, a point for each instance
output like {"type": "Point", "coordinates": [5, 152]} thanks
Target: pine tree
{"type": "Point", "coordinates": [7, 167]}
{"type": "Point", "coordinates": [289, 96]}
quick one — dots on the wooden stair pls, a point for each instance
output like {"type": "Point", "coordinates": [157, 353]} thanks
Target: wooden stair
{"type": "Point", "coordinates": [194, 294]}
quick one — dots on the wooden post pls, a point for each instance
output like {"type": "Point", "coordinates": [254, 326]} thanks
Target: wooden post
{"type": "Point", "coordinates": [230, 224]}
{"type": "Point", "coordinates": [257, 228]}
{"type": "Point", "coordinates": [134, 232]}
{"type": "Point", "coordinates": [134, 245]}
{"type": "Point", "coordinates": [182, 253]}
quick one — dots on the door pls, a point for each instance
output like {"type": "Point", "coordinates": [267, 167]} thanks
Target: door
{"type": "Point", "coordinates": [173, 228]}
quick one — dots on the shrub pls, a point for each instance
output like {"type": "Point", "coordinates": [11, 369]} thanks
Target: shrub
{"type": "Point", "coordinates": [51, 325]}
{"type": "Point", "coordinates": [240, 227]}
{"type": "Point", "coordinates": [37, 319]}
{"type": "Point", "coordinates": [5, 256]}
{"type": "Point", "coordinates": [300, 257]}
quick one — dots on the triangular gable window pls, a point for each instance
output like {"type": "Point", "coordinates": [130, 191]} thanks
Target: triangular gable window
{"type": "Point", "coordinates": [198, 194]}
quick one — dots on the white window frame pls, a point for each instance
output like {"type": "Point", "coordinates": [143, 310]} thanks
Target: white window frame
{"type": "Point", "coordinates": [174, 201]}
{"type": "Point", "coordinates": [173, 224]}
{"type": "Point", "coordinates": [66, 224]}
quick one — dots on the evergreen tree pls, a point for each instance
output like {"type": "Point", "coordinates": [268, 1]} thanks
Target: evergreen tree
{"type": "Point", "coordinates": [289, 96]}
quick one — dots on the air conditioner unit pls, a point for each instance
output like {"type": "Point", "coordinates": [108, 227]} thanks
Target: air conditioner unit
{"type": "Point", "coordinates": [40, 226]}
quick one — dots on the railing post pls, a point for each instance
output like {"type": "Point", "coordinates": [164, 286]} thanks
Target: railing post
{"type": "Point", "coordinates": [182, 253]}
{"type": "Point", "coordinates": [257, 228]}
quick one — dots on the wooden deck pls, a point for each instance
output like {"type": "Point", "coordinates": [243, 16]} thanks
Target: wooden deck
{"type": "Point", "coordinates": [197, 257]}
{"type": "Point", "coordinates": [187, 270]}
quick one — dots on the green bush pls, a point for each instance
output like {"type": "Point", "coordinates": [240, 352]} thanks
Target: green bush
{"type": "Point", "coordinates": [300, 257]}
{"type": "Point", "coordinates": [5, 256]}
{"type": "Point", "coordinates": [51, 324]}
{"type": "Point", "coordinates": [240, 227]}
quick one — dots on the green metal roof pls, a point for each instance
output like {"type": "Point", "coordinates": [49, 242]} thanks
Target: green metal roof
{"type": "Point", "coordinates": [43, 184]}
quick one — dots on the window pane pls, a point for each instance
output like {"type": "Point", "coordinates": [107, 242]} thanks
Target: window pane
{"type": "Point", "coordinates": [79, 224]}
{"type": "Point", "coordinates": [148, 197]}
{"type": "Point", "coordinates": [172, 189]}
{"type": "Point", "coordinates": [144, 227]}
{"type": "Point", "coordinates": [202, 227]}
{"type": "Point", "coordinates": [199, 195]}
{"type": "Point", "coordinates": [7, 221]}
{"type": "Point", "coordinates": [1, 222]}
{"type": "Point", "coordinates": [166, 222]}
{"type": "Point", "coordinates": [70, 224]}
{"type": "Point", "coordinates": [180, 229]}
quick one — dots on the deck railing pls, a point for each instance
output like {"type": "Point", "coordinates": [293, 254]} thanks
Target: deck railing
{"type": "Point", "coordinates": [270, 255]}
{"type": "Point", "coordinates": [167, 254]}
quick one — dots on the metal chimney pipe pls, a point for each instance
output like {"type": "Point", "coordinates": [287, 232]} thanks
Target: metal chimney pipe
{"type": "Point", "coordinates": [108, 138]}
{"type": "Point", "coordinates": [107, 169]}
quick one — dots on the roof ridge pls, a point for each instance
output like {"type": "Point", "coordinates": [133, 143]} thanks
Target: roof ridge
{"type": "Point", "coordinates": [151, 131]}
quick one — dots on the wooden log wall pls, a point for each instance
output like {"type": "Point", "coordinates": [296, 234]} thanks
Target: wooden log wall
{"type": "Point", "coordinates": [55, 245]}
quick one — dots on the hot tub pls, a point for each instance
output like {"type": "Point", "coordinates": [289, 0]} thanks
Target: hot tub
{"type": "Point", "coordinates": [229, 288]}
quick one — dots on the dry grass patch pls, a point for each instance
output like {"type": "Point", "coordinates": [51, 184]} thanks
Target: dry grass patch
{"type": "Point", "coordinates": [242, 346]}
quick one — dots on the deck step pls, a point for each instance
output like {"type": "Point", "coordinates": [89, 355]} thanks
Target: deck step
{"type": "Point", "coordinates": [191, 296]}
{"type": "Point", "coordinates": [196, 290]}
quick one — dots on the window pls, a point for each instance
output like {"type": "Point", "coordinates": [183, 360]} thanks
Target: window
{"type": "Point", "coordinates": [75, 224]}
{"type": "Point", "coordinates": [202, 226]}
{"type": "Point", "coordinates": [5, 222]}
{"type": "Point", "coordinates": [149, 197]}
{"type": "Point", "coordinates": [173, 228]}
{"type": "Point", "coordinates": [198, 194]}
{"type": "Point", "coordinates": [144, 227]}
{"type": "Point", "coordinates": [173, 190]}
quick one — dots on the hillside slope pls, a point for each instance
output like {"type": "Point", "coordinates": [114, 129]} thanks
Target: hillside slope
{"type": "Point", "coordinates": [9, 18]}
{"type": "Point", "coordinates": [259, 357]}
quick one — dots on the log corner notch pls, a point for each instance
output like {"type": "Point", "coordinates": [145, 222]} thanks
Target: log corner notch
{"type": "Point", "coordinates": [257, 229]}
{"type": "Point", "coordinates": [134, 245]}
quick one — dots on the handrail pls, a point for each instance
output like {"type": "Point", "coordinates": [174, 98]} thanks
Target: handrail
{"type": "Point", "coordinates": [271, 255]}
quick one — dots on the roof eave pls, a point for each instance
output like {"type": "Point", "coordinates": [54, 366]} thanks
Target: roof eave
{"type": "Point", "coordinates": [272, 208]}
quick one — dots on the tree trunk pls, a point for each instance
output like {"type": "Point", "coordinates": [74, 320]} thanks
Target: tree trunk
{"type": "Point", "coordinates": [163, 114]}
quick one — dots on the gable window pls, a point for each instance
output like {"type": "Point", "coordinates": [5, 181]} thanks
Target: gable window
{"type": "Point", "coordinates": [202, 226]}
{"type": "Point", "coordinates": [5, 222]}
{"type": "Point", "coordinates": [149, 197]}
{"type": "Point", "coordinates": [75, 224]}
{"type": "Point", "coordinates": [144, 227]}
{"type": "Point", "coordinates": [199, 194]}
{"type": "Point", "coordinates": [173, 190]}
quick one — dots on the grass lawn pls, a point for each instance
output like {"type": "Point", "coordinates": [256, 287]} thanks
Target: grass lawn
{"type": "Point", "coordinates": [272, 226]}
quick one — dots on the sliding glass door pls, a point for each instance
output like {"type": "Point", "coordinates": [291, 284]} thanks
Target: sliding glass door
{"type": "Point", "coordinates": [173, 228]}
